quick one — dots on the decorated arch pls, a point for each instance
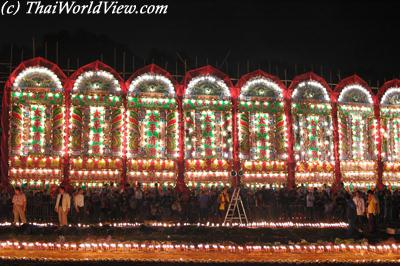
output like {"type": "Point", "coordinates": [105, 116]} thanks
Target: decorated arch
{"type": "Point", "coordinates": [357, 133]}
{"type": "Point", "coordinates": [33, 125]}
{"type": "Point", "coordinates": [208, 127]}
{"type": "Point", "coordinates": [389, 100]}
{"type": "Point", "coordinates": [262, 130]}
{"type": "Point", "coordinates": [96, 126]}
{"type": "Point", "coordinates": [152, 127]}
{"type": "Point", "coordinates": [312, 130]}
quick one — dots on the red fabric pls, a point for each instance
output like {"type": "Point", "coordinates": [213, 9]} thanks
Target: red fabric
{"type": "Point", "coordinates": [66, 138]}
{"type": "Point", "coordinates": [181, 159]}
{"type": "Point", "coordinates": [335, 123]}
{"type": "Point", "coordinates": [37, 61]}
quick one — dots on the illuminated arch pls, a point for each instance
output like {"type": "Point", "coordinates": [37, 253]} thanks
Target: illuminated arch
{"type": "Point", "coordinates": [353, 89]}
{"type": "Point", "coordinates": [207, 85]}
{"type": "Point", "coordinates": [96, 77]}
{"type": "Point", "coordinates": [310, 90]}
{"type": "Point", "coordinates": [391, 93]}
{"type": "Point", "coordinates": [151, 82]}
{"type": "Point", "coordinates": [37, 77]}
{"type": "Point", "coordinates": [260, 86]}
{"type": "Point", "coordinates": [95, 80]}
{"type": "Point", "coordinates": [355, 93]}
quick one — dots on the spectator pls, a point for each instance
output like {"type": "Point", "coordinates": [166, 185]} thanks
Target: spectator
{"type": "Point", "coordinates": [310, 204]}
{"type": "Point", "coordinates": [63, 205]}
{"type": "Point", "coordinates": [350, 213]}
{"type": "Point", "coordinates": [79, 205]}
{"type": "Point", "coordinates": [19, 206]}
{"type": "Point", "coordinates": [223, 200]}
{"type": "Point", "coordinates": [203, 202]}
{"type": "Point", "coordinates": [360, 209]}
{"type": "Point", "coordinates": [372, 211]}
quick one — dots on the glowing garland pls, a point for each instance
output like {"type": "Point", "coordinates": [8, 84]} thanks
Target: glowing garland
{"type": "Point", "coordinates": [152, 137]}
{"type": "Point", "coordinates": [96, 133]}
{"type": "Point", "coordinates": [37, 129]}
{"type": "Point", "coordinates": [260, 127]}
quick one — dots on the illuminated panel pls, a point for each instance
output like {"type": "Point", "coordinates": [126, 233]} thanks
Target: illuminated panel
{"type": "Point", "coordinates": [96, 130]}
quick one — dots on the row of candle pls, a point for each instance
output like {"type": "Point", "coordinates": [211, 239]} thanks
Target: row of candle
{"type": "Point", "coordinates": [263, 224]}
{"type": "Point", "coordinates": [130, 246]}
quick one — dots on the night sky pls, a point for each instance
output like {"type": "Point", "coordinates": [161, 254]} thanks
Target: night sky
{"type": "Point", "coordinates": [331, 38]}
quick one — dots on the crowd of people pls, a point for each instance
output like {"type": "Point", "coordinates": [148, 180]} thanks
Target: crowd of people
{"type": "Point", "coordinates": [107, 204]}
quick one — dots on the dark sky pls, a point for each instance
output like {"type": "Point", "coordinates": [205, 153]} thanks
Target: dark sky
{"type": "Point", "coordinates": [342, 36]}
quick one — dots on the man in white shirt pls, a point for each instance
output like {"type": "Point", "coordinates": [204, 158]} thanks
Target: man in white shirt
{"type": "Point", "coordinates": [360, 208]}
{"type": "Point", "coordinates": [79, 205]}
{"type": "Point", "coordinates": [63, 204]}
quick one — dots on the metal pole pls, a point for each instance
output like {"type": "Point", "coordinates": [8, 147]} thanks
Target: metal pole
{"type": "Point", "coordinates": [57, 52]}
{"type": "Point", "coordinates": [33, 47]}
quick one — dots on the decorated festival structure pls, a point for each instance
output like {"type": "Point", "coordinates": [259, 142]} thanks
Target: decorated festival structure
{"type": "Point", "coordinates": [96, 128]}
{"type": "Point", "coordinates": [262, 131]}
{"type": "Point", "coordinates": [34, 117]}
{"type": "Point", "coordinates": [152, 134]}
{"type": "Point", "coordinates": [207, 112]}
{"type": "Point", "coordinates": [93, 128]}
{"type": "Point", "coordinates": [389, 97]}
{"type": "Point", "coordinates": [312, 129]}
{"type": "Point", "coordinates": [358, 134]}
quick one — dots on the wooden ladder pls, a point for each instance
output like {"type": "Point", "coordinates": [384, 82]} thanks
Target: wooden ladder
{"type": "Point", "coordinates": [236, 212]}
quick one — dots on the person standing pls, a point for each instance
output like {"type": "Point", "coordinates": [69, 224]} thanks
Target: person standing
{"type": "Point", "coordinates": [351, 213]}
{"type": "Point", "coordinates": [63, 204]}
{"type": "Point", "coordinates": [79, 205]}
{"type": "Point", "coordinates": [372, 211]}
{"type": "Point", "coordinates": [360, 209]}
{"type": "Point", "coordinates": [203, 203]}
{"type": "Point", "coordinates": [310, 204]}
{"type": "Point", "coordinates": [19, 206]}
{"type": "Point", "coordinates": [223, 201]}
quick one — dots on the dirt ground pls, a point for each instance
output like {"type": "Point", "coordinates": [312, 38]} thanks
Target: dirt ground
{"type": "Point", "coordinates": [197, 256]}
